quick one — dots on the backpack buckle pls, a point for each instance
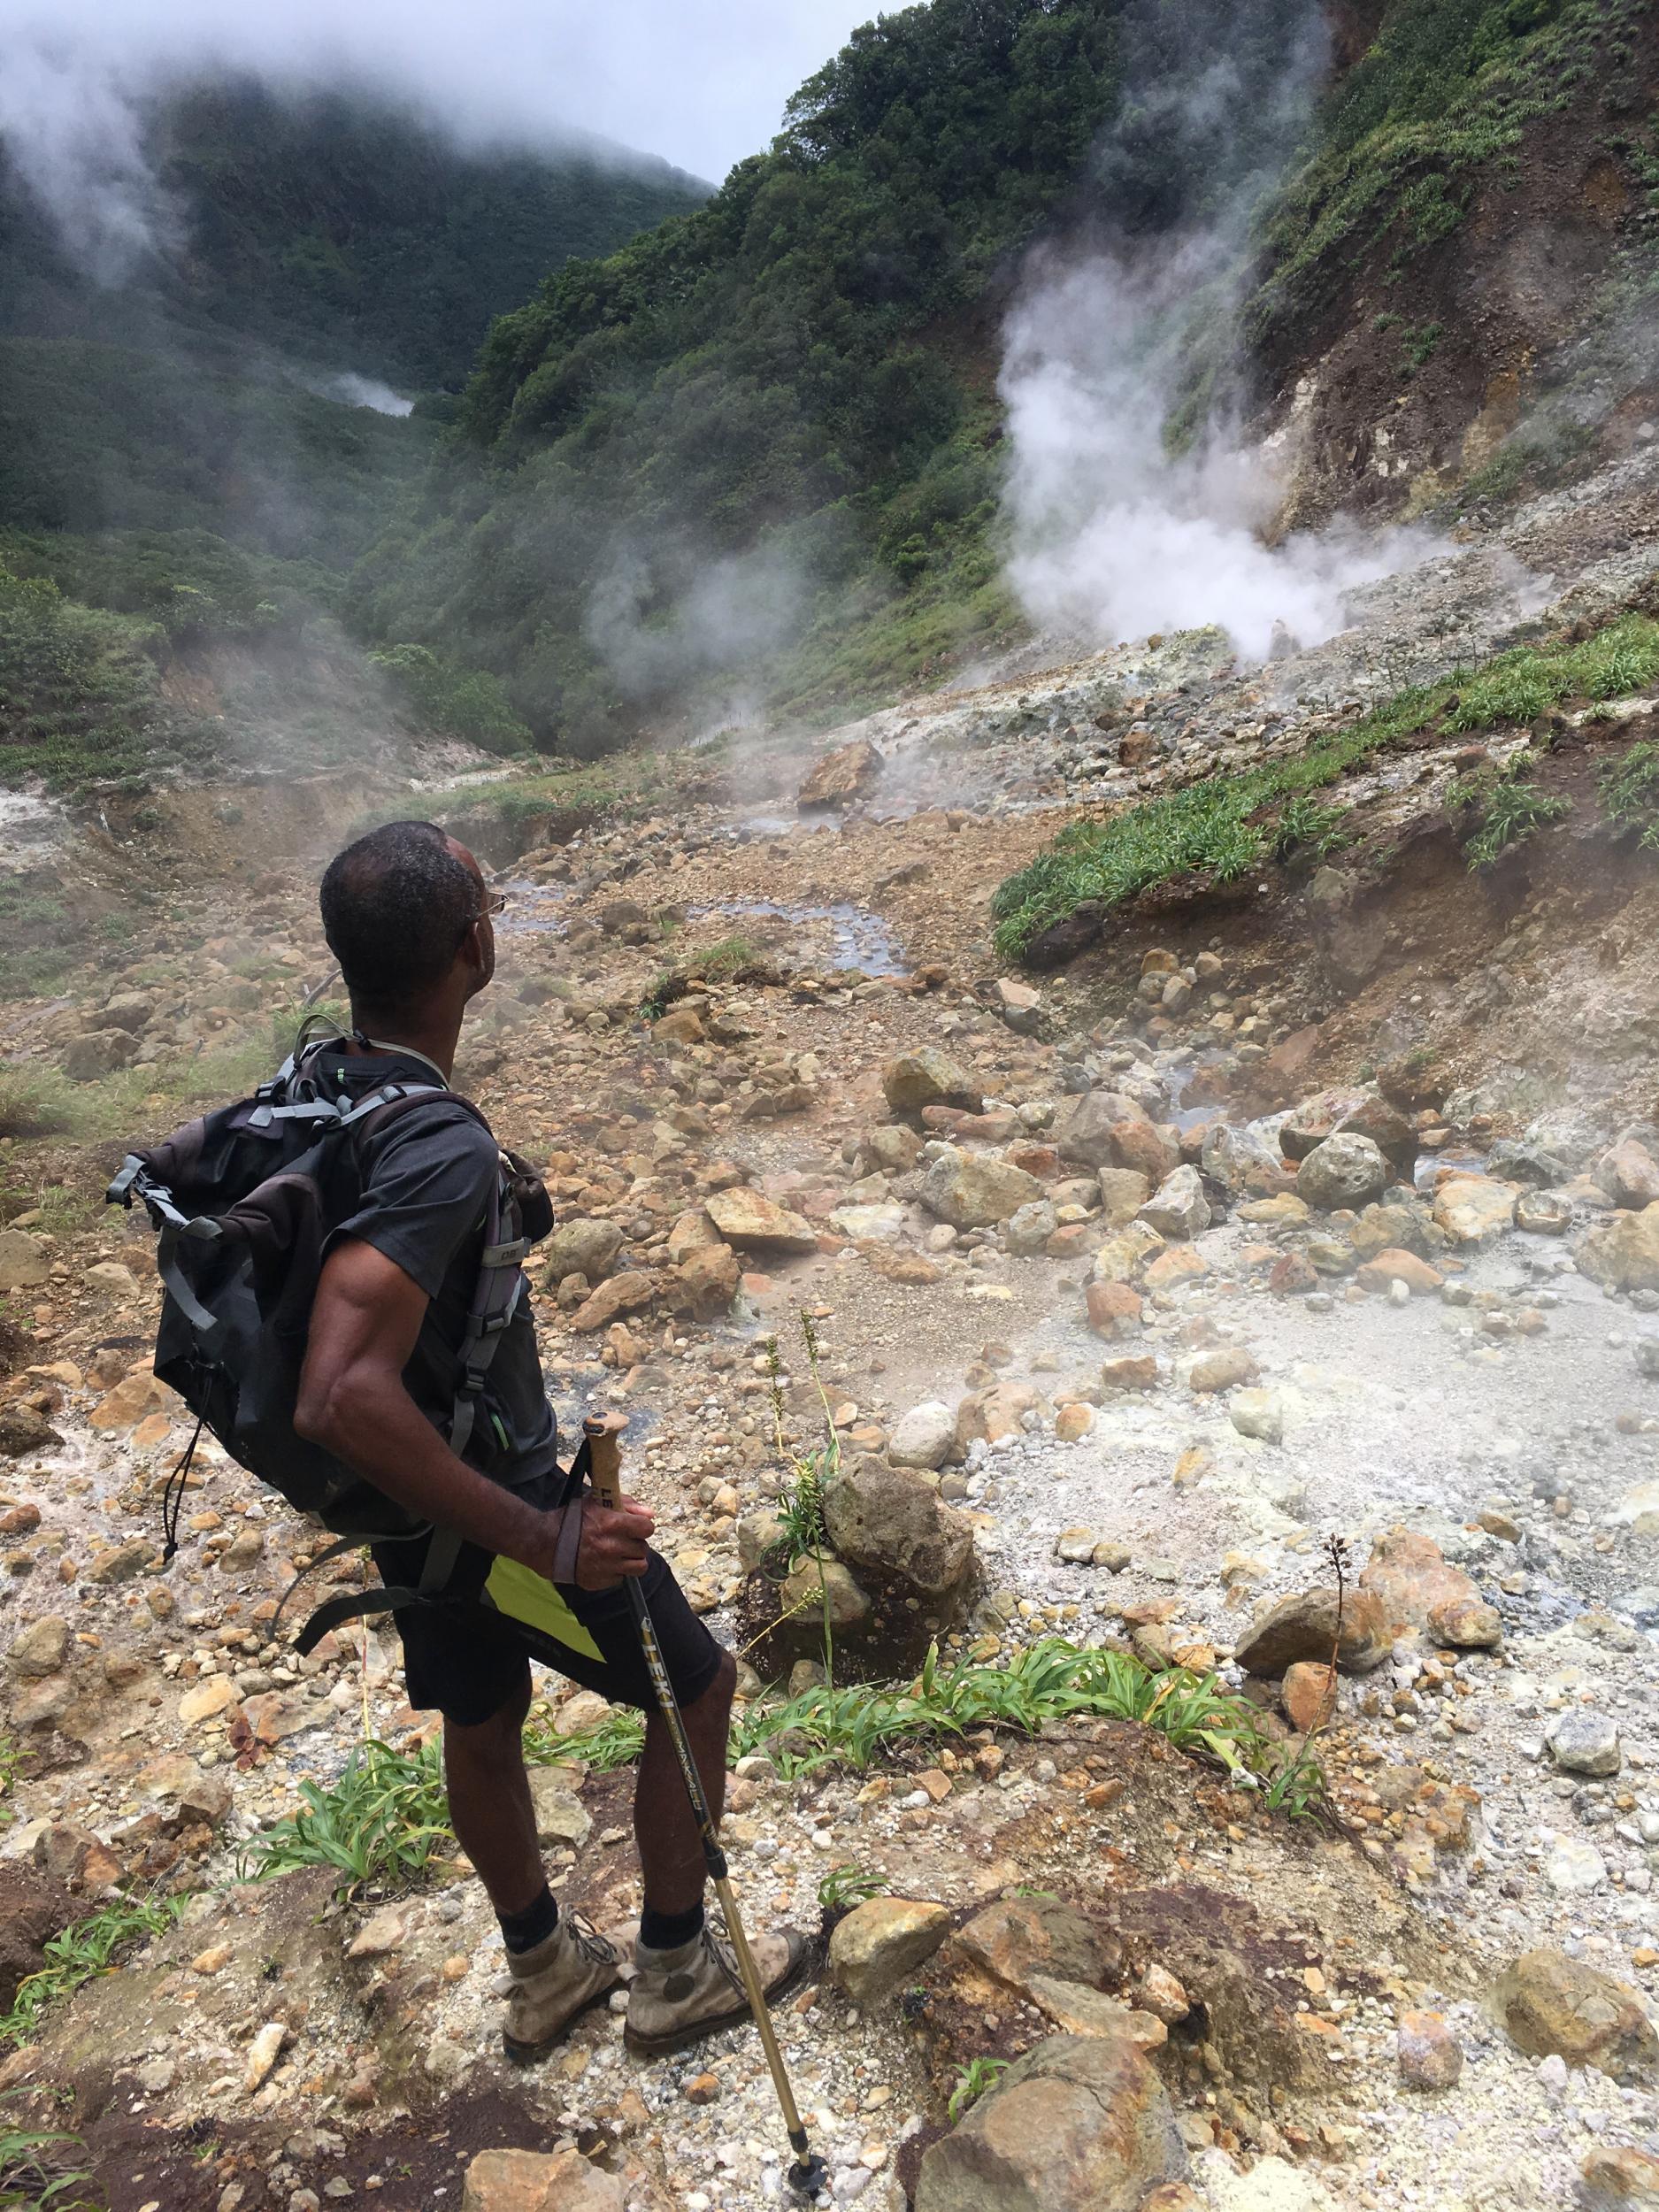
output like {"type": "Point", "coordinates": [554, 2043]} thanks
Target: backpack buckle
{"type": "Point", "coordinates": [120, 1191]}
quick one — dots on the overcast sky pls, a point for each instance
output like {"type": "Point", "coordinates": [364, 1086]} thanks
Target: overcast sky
{"type": "Point", "coordinates": [701, 82]}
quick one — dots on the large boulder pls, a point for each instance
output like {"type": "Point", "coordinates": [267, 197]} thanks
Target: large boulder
{"type": "Point", "coordinates": [1418, 1588]}
{"type": "Point", "coordinates": [1401, 1225]}
{"type": "Point", "coordinates": [1343, 1171]}
{"type": "Point", "coordinates": [693, 1232]}
{"type": "Point", "coordinates": [970, 1190]}
{"type": "Point", "coordinates": [754, 1222]}
{"type": "Point", "coordinates": [890, 1150]}
{"type": "Point", "coordinates": [40, 1648]}
{"type": "Point", "coordinates": [1629, 1173]}
{"type": "Point", "coordinates": [1029, 1230]}
{"type": "Point", "coordinates": [1624, 1256]}
{"type": "Point", "coordinates": [127, 1009]}
{"type": "Point", "coordinates": [583, 1247]}
{"type": "Point", "coordinates": [814, 1589]}
{"type": "Point", "coordinates": [881, 1943]}
{"type": "Point", "coordinates": [1621, 2179]}
{"type": "Point", "coordinates": [613, 1301]}
{"type": "Point", "coordinates": [1123, 1191]}
{"type": "Point", "coordinates": [1241, 1159]}
{"type": "Point", "coordinates": [25, 1262]}
{"type": "Point", "coordinates": [923, 1437]}
{"type": "Point", "coordinates": [528, 2181]}
{"type": "Point", "coordinates": [100, 1052]}
{"type": "Point", "coordinates": [1362, 1113]}
{"type": "Point", "coordinates": [705, 1282]}
{"type": "Point", "coordinates": [1549, 2003]}
{"type": "Point", "coordinates": [930, 1078]}
{"type": "Point", "coordinates": [1080, 2124]}
{"type": "Point", "coordinates": [1470, 1208]}
{"type": "Point", "coordinates": [1303, 1626]}
{"type": "Point", "coordinates": [888, 1521]}
{"type": "Point", "coordinates": [1098, 1128]}
{"type": "Point", "coordinates": [1178, 1207]}
{"type": "Point", "coordinates": [23, 1430]}
{"type": "Point", "coordinates": [837, 779]}
{"type": "Point", "coordinates": [1018, 1938]}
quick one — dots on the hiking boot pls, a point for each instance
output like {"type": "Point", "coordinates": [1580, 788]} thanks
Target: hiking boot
{"type": "Point", "coordinates": [680, 1996]}
{"type": "Point", "coordinates": [562, 1976]}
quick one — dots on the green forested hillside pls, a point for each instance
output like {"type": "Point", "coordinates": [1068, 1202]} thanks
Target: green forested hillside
{"type": "Point", "coordinates": [763, 436]}
{"type": "Point", "coordinates": [105, 437]}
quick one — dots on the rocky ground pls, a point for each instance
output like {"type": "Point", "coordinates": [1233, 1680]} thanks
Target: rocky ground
{"type": "Point", "coordinates": [1327, 1207]}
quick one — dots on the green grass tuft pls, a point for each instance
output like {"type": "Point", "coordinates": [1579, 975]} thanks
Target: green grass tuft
{"type": "Point", "coordinates": [77, 1955]}
{"type": "Point", "coordinates": [42, 2171]}
{"type": "Point", "coordinates": [1511, 810]}
{"type": "Point", "coordinates": [847, 1885]}
{"type": "Point", "coordinates": [1629, 791]}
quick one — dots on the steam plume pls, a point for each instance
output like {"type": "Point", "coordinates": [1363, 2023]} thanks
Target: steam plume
{"type": "Point", "coordinates": [1110, 535]}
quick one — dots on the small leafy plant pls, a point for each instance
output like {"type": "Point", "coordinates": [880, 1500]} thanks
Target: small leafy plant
{"type": "Point", "coordinates": [972, 2081]}
{"type": "Point", "coordinates": [379, 1821]}
{"type": "Point", "coordinates": [1299, 1789]}
{"type": "Point", "coordinates": [802, 1511]}
{"type": "Point", "coordinates": [1310, 830]}
{"type": "Point", "coordinates": [847, 1885]}
{"type": "Point", "coordinates": [615, 1741]}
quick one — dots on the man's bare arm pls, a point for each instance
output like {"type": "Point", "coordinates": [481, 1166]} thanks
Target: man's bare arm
{"type": "Point", "coordinates": [352, 1402]}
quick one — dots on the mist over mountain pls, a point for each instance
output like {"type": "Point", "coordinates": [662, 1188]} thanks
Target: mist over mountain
{"type": "Point", "coordinates": [329, 226]}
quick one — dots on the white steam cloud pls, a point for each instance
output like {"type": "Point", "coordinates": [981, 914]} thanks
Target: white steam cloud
{"type": "Point", "coordinates": [352, 391]}
{"type": "Point", "coordinates": [1113, 538]}
{"type": "Point", "coordinates": [73, 135]}
{"type": "Point", "coordinates": [727, 612]}
{"type": "Point", "coordinates": [1110, 535]}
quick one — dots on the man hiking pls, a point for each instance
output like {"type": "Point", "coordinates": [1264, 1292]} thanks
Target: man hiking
{"type": "Point", "coordinates": [409, 918]}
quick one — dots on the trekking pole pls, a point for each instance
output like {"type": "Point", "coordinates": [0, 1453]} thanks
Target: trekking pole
{"type": "Point", "coordinates": [604, 1462]}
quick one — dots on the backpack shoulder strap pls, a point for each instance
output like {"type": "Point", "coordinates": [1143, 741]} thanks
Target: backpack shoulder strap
{"type": "Point", "coordinates": [500, 1284]}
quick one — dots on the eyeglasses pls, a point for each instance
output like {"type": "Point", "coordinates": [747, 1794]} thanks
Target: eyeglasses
{"type": "Point", "coordinates": [494, 902]}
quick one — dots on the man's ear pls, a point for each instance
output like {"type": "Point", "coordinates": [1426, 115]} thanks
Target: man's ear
{"type": "Point", "coordinates": [477, 956]}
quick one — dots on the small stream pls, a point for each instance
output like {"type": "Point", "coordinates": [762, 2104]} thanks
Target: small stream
{"type": "Point", "coordinates": [857, 940]}
{"type": "Point", "coordinates": [842, 939]}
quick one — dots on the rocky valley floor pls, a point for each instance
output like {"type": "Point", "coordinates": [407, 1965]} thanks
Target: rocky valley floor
{"type": "Point", "coordinates": [1321, 1205]}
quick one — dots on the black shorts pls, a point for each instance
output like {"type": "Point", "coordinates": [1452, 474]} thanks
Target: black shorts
{"type": "Point", "coordinates": [467, 1661]}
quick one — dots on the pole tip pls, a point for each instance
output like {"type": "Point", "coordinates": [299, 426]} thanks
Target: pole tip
{"type": "Point", "coordinates": [808, 2174]}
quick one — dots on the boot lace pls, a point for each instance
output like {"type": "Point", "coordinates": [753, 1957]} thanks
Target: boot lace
{"type": "Point", "coordinates": [723, 1955]}
{"type": "Point", "coordinates": [588, 1939]}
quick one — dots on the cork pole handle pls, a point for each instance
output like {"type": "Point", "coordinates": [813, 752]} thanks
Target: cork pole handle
{"type": "Point", "coordinates": [604, 1456]}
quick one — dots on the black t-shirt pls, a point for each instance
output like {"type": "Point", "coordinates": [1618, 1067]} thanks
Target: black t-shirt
{"type": "Point", "coordinates": [425, 1203]}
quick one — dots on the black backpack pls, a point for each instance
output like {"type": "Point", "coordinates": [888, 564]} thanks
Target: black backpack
{"type": "Point", "coordinates": [244, 1200]}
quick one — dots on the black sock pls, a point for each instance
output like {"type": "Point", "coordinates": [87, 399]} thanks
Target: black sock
{"type": "Point", "coordinates": [523, 1930]}
{"type": "Point", "coordinates": [667, 1931]}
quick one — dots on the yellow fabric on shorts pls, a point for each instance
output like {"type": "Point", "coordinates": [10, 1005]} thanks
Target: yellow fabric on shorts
{"type": "Point", "coordinates": [523, 1595]}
